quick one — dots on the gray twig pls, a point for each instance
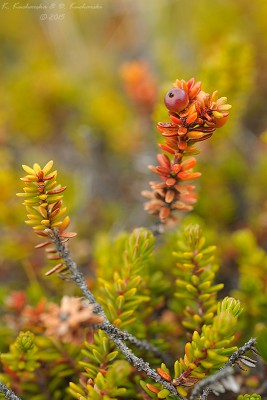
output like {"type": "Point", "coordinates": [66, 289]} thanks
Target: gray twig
{"type": "Point", "coordinates": [141, 365]}
{"type": "Point", "coordinates": [225, 371]}
{"type": "Point", "coordinates": [250, 345]}
{"type": "Point", "coordinates": [205, 394]}
{"type": "Point", "coordinates": [106, 326]}
{"type": "Point", "coordinates": [222, 373]}
{"type": "Point", "coordinates": [8, 393]}
{"type": "Point", "coordinates": [115, 334]}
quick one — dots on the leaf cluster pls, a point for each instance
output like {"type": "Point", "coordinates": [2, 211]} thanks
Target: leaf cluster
{"type": "Point", "coordinates": [195, 274]}
{"type": "Point", "coordinates": [39, 367]}
{"type": "Point", "coordinates": [207, 352]}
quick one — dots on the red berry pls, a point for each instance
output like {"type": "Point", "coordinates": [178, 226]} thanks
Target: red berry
{"type": "Point", "coordinates": [176, 100]}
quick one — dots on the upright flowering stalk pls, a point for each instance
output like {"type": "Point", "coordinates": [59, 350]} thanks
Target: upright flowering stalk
{"type": "Point", "coordinates": [194, 116]}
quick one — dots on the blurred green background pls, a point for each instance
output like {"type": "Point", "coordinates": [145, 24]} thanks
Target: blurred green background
{"type": "Point", "coordinates": [83, 82]}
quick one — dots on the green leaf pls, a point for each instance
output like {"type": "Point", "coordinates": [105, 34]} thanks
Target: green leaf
{"type": "Point", "coordinates": [112, 356]}
{"type": "Point", "coordinates": [163, 394]}
{"type": "Point", "coordinates": [98, 356]}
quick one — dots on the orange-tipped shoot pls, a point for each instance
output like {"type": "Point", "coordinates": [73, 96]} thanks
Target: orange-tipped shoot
{"type": "Point", "coordinates": [194, 116]}
{"type": "Point", "coordinates": [43, 200]}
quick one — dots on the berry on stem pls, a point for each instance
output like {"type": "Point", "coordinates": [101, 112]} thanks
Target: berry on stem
{"type": "Point", "coordinates": [194, 116]}
{"type": "Point", "coordinates": [176, 100]}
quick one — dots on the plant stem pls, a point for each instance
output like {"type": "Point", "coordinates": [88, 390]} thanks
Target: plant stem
{"type": "Point", "coordinates": [115, 334]}
{"type": "Point", "coordinates": [106, 326]}
{"type": "Point", "coordinates": [141, 365]}
{"type": "Point", "coordinates": [8, 393]}
{"type": "Point", "coordinates": [124, 335]}
{"type": "Point", "coordinates": [250, 345]}
{"type": "Point", "coordinates": [205, 394]}
{"type": "Point", "coordinates": [222, 373]}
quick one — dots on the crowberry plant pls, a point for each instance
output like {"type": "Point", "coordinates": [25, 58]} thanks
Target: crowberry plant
{"type": "Point", "coordinates": [79, 348]}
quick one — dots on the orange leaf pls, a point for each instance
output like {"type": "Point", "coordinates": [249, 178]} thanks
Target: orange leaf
{"type": "Point", "coordinates": [188, 164]}
{"type": "Point", "coordinates": [194, 90]}
{"type": "Point", "coordinates": [195, 134]}
{"type": "Point", "coordinates": [49, 177]}
{"type": "Point", "coordinates": [51, 250]}
{"type": "Point", "coordinates": [169, 133]}
{"type": "Point", "coordinates": [54, 269]}
{"type": "Point", "coordinates": [221, 121]}
{"type": "Point", "coordinates": [68, 234]}
{"type": "Point", "coordinates": [58, 204]}
{"type": "Point", "coordinates": [164, 374]}
{"type": "Point", "coordinates": [152, 388]}
{"type": "Point", "coordinates": [182, 131]}
{"type": "Point", "coordinates": [65, 224]}
{"type": "Point", "coordinates": [39, 246]}
{"type": "Point", "coordinates": [163, 171]}
{"type": "Point", "coordinates": [189, 175]}
{"type": "Point", "coordinates": [191, 118]}
{"type": "Point", "coordinates": [56, 257]}
{"type": "Point", "coordinates": [40, 175]}
{"type": "Point", "coordinates": [152, 168]}
{"type": "Point", "coordinates": [166, 148]}
{"type": "Point", "coordinates": [176, 168]}
{"type": "Point", "coordinates": [182, 145]}
{"type": "Point", "coordinates": [190, 198]}
{"type": "Point", "coordinates": [171, 181]}
{"type": "Point", "coordinates": [169, 196]}
{"type": "Point", "coordinates": [56, 191]}
{"type": "Point", "coordinates": [163, 160]}
{"type": "Point", "coordinates": [42, 234]}
{"type": "Point", "coordinates": [166, 126]}
{"type": "Point", "coordinates": [164, 213]}
{"type": "Point", "coordinates": [54, 213]}
{"type": "Point", "coordinates": [202, 138]}
{"type": "Point", "coordinates": [179, 205]}
{"type": "Point", "coordinates": [191, 83]}
{"type": "Point", "coordinates": [176, 120]}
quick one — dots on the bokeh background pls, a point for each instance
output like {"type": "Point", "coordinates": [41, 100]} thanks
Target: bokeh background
{"type": "Point", "coordinates": [83, 83]}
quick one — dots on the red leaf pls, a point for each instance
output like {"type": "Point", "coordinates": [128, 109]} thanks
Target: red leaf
{"type": "Point", "coordinates": [56, 191]}
{"type": "Point", "coordinates": [48, 177]}
{"type": "Point", "coordinates": [176, 120]}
